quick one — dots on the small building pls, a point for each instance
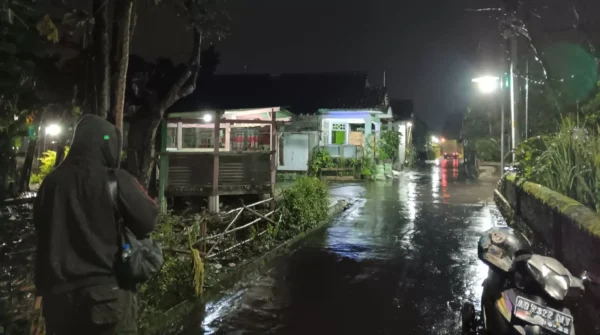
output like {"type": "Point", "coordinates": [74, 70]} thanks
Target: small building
{"type": "Point", "coordinates": [402, 121]}
{"type": "Point", "coordinates": [214, 153]}
{"type": "Point", "coordinates": [354, 127]}
{"type": "Point", "coordinates": [340, 112]}
{"type": "Point", "coordinates": [264, 123]}
{"type": "Point", "coordinates": [221, 140]}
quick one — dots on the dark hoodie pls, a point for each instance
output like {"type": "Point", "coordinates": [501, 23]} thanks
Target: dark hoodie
{"type": "Point", "coordinates": [77, 237]}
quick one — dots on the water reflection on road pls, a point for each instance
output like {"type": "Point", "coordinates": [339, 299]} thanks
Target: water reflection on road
{"type": "Point", "coordinates": [402, 260]}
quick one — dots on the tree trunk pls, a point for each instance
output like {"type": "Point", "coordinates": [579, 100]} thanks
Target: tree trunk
{"type": "Point", "coordinates": [25, 176]}
{"type": "Point", "coordinates": [142, 131]}
{"type": "Point", "coordinates": [101, 58]}
{"type": "Point", "coordinates": [140, 152]}
{"type": "Point", "coordinates": [123, 14]}
{"type": "Point", "coordinates": [6, 154]}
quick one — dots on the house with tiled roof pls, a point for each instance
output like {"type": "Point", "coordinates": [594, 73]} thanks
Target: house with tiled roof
{"type": "Point", "coordinates": [337, 110]}
{"type": "Point", "coordinates": [234, 132]}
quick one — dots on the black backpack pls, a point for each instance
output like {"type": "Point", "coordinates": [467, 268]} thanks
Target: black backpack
{"type": "Point", "coordinates": [145, 258]}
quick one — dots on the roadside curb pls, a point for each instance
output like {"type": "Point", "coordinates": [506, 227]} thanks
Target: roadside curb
{"type": "Point", "coordinates": [162, 323]}
{"type": "Point", "coordinates": [557, 226]}
{"type": "Point", "coordinates": [258, 265]}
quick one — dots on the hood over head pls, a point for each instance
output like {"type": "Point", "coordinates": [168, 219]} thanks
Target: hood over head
{"type": "Point", "coordinates": [96, 141]}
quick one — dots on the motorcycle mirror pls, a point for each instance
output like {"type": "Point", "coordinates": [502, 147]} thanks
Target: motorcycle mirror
{"type": "Point", "coordinates": [588, 278]}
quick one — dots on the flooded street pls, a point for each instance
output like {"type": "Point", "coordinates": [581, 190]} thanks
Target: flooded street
{"type": "Point", "coordinates": [401, 260]}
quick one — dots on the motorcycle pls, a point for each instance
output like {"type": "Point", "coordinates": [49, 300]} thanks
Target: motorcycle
{"type": "Point", "coordinates": [524, 293]}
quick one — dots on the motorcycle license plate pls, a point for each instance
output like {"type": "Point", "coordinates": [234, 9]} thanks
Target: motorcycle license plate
{"type": "Point", "coordinates": [551, 319]}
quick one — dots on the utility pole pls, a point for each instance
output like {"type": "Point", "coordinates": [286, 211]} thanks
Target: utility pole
{"type": "Point", "coordinates": [514, 87]}
{"type": "Point", "coordinates": [527, 98]}
{"type": "Point", "coordinates": [501, 98]}
{"type": "Point", "coordinates": [511, 8]}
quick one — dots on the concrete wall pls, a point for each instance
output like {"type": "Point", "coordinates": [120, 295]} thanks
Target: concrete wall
{"type": "Point", "coordinates": [400, 126]}
{"type": "Point", "coordinates": [297, 150]}
{"type": "Point", "coordinates": [560, 227]}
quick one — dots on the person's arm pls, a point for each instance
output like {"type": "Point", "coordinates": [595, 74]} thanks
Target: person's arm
{"type": "Point", "coordinates": [138, 210]}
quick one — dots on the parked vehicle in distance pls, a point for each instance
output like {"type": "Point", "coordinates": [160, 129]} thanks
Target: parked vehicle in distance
{"type": "Point", "coordinates": [453, 155]}
{"type": "Point", "coordinates": [451, 149]}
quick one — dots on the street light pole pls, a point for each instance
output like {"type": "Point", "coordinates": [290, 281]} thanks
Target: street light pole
{"type": "Point", "coordinates": [501, 97]}
{"type": "Point", "coordinates": [514, 91]}
{"type": "Point", "coordinates": [487, 85]}
{"type": "Point", "coordinates": [527, 98]}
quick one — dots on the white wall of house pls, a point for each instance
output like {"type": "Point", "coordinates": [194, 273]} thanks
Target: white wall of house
{"type": "Point", "coordinates": [405, 128]}
{"type": "Point", "coordinates": [343, 121]}
{"type": "Point", "coordinates": [296, 149]}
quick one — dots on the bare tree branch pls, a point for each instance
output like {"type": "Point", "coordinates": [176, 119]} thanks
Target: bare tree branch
{"type": "Point", "coordinates": [178, 90]}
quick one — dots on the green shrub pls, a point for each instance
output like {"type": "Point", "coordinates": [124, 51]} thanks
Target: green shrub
{"type": "Point", "coordinates": [568, 163]}
{"type": "Point", "coordinates": [488, 149]}
{"type": "Point", "coordinates": [320, 159]}
{"type": "Point", "coordinates": [388, 145]}
{"type": "Point", "coordinates": [527, 156]}
{"type": "Point", "coordinates": [431, 153]}
{"type": "Point", "coordinates": [304, 205]}
{"type": "Point", "coordinates": [175, 282]}
{"type": "Point", "coordinates": [571, 166]}
{"type": "Point", "coordinates": [48, 160]}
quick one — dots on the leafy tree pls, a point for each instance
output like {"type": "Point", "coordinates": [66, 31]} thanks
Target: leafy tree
{"type": "Point", "coordinates": [100, 69]}
{"type": "Point", "coordinates": [20, 61]}
{"type": "Point", "coordinates": [388, 145]}
{"type": "Point", "coordinates": [162, 84]}
{"type": "Point", "coordinates": [591, 110]}
{"type": "Point", "coordinates": [420, 133]}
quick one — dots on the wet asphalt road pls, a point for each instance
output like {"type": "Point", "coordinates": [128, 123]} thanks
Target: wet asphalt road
{"type": "Point", "coordinates": [401, 260]}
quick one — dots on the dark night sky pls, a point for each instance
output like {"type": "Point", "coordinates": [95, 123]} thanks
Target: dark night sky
{"type": "Point", "coordinates": [428, 48]}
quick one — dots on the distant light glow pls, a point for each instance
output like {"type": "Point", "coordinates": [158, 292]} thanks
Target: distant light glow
{"type": "Point", "coordinates": [435, 140]}
{"type": "Point", "coordinates": [487, 84]}
{"type": "Point", "coordinates": [53, 130]}
{"type": "Point", "coordinates": [409, 124]}
{"type": "Point", "coordinates": [207, 117]}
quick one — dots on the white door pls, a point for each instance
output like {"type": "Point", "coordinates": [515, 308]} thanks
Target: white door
{"type": "Point", "coordinates": [295, 152]}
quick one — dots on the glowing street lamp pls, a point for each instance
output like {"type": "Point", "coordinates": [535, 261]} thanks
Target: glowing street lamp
{"type": "Point", "coordinates": [435, 140]}
{"type": "Point", "coordinates": [487, 84]}
{"type": "Point", "coordinates": [207, 117]}
{"type": "Point", "coordinates": [53, 130]}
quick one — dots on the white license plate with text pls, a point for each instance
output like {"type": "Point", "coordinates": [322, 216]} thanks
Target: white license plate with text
{"type": "Point", "coordinates": [536, 314]}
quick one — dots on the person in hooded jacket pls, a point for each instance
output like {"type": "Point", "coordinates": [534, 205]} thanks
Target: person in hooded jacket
{"type": "Point", "coordinates": [77, 235]}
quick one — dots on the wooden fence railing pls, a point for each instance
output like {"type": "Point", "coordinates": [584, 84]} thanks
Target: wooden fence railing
{"type": "Point", "coordinates": [232, 228]}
